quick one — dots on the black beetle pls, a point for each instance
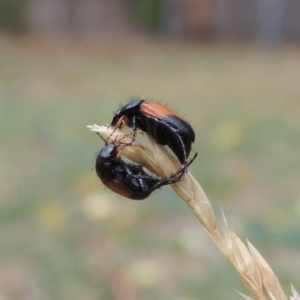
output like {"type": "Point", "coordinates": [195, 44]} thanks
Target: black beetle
{"type": "Point", "coordinates": [127, 179]}
{"type": "Point", "coordinates": [162, 124]}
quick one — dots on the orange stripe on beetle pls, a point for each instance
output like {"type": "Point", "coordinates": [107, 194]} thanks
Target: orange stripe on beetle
{"type": "Point", "coordinates": [119, 188]}
{"type": "Point", "coordinates": [157, 110]}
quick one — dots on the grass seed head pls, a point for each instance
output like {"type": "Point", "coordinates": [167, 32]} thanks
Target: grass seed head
{"type": "Point", "coordinates": [251, 267]}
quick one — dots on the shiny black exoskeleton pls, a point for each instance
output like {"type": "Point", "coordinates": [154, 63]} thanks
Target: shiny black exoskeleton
{"type": "Point", "coordinates": [162, 124]}
{"type": "Point", "coordinates": [128, 179]}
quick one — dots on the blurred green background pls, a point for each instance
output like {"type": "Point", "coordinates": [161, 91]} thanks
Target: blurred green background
{"type": "Point", "coordinates": [64, 236]}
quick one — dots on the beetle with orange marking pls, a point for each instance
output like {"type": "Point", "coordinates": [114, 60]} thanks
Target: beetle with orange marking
{"type": "Point", "coordinates": [128, 179]}
{"type": "Point", "coordinates": [162, 124]}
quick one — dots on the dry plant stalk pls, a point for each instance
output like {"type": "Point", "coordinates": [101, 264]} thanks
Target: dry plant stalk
{"type": "Point", "coordinates": [254, 271]}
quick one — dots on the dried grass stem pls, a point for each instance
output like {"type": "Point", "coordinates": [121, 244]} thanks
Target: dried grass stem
{"type": "Point", "coordinates": [254, 271]}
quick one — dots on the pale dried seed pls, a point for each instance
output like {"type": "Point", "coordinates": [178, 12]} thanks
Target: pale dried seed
{"type": "Point", "coordinates": [269, 279]}
{"type": "Point", "coordinates": [238, 253]}
{"type": "Point", "coordinates": [250, 268]}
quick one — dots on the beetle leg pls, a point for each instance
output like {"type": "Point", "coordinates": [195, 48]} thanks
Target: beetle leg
{"type": "Point", "coordinates": [180, 173]}
{"type": "Point", "coordinates": [130, 143]}
{"type": "Point", "coordinates": [194, 157]}
{"type": "Point", "coordinates": [119, 125]}
{"type": "Point", "coordinates": [135, 128]}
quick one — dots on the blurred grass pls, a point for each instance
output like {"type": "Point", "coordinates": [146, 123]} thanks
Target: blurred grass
{"type": "Point", "coordinates": [65, 237]}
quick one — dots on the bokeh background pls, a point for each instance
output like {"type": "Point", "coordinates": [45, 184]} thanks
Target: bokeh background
{"type": "Point", "coordinates": [232, 68]}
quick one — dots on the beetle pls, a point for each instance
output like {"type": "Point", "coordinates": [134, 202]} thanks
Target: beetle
{"type": "Point", "coordinates": [161, 123]}
{"type": "Point", "coordinates": [128, 179]}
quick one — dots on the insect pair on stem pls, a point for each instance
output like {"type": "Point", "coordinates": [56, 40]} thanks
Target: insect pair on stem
{"type": "Point", "coordinates": [163, 126]}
